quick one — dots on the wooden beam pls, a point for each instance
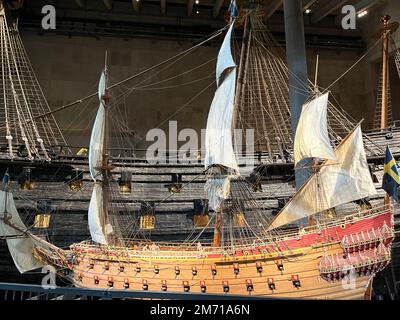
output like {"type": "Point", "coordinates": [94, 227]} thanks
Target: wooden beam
{"type": "Point", "coordinates": [327, 9]}
{"type": "Point", "coordinates": [326, 31]}
{"type": "Point", "coordinates": [135, 4]}
{"type": "Point", "coordinates": [163, 7]}
{"type": "Point", "coordinates": [108, 4]}
{"type": "Point", "coordinates": [190, 7]}
{"type": "Point", "coordinates": [307, 4]}
{"type": "Point", "coordinates": [365, 5]}
{"type": "Point", "coordinates": [217, 7]}
{"type": "Point", "coordinates": [271, 6]}
{"type": "Point", "coordinates": [80, 3]}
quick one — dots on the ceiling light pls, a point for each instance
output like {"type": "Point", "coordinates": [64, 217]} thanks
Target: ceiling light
{"type": "Point", "coordinates": [308, 11]}
{"type": "Point", "coordinates": [362, 13]}
{"type": "Point", "coordinates": [197, 1]}
{"type": "Point", "coordinates": [197, 12]}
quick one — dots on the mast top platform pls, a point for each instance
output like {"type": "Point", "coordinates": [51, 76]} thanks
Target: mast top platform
{"type": "Point", "coordinates": [388, 28]}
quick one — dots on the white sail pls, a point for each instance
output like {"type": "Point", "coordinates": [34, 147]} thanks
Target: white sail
{"type": "Point", "coordinates": [95, 215]}
{"type": "Point", "coordinates": [218, 139]}
{"type": "Point", "coordinates": [98, 135]}
{"type": "Point", "coordinates": [312, 139]}
{"type": "Point", "coordinates": [102, 86]}
{"type": "Point", "coordinates": [339, 182]}
{"type": "Point", "coordinates": [20, 247]}
{"type": "Point", "coordinates": [95, 212]}
{"type": "Point", "coordinates": [225, 59]}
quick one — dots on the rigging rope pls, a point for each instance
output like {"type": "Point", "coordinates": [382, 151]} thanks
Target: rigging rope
{"type": "Point", "coordinates": [214, 35]}
{"type": "Point", "coordinates": [397, 61]}
{"type": "Point", "coordinates": [353, 66]}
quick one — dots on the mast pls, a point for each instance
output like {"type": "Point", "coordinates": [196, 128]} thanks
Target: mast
{"type": "Point", "coordinates": [386, 30]}
{"type": "Point", "coordinates": [105, 183]}
{"type": "Point", "coordinates": [218, 228]}
{"type": "Point", "coordinates": [385, 53]}
{"type": "Point", "coordinates": [220, 156]}
{"type": "Point", "coordinates": [240, 87]}
{"type": "Point", "coordinates": [310, 220]}
{"type": "Point", "coordinates": [242, 67]}
{"type": "Point", "coordinates": [98, 212]}
{"type": "Point", "coordinates": [316, 76]}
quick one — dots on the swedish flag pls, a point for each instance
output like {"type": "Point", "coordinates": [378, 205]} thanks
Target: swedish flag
{"type": "Point", "coordinates": [391, 178]}
{"type": "Point", "coordinates": [6, 177]}
{"type": "Point", "coordinates": [233, 10]}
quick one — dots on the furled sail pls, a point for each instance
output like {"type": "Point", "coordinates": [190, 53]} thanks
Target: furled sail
{"type": "Point", "coordinates": [218, 139]}
{"type": "Point", "coordinates": [312, 139]}
{"type": "Point", "coordinates": [98, 135]}
{"type": "Point", "coordinates": [95, 215]}
{"type": "Point", "coordinates": [338, 182]}
{"type": "Point", "coordinates": [217, 190]}
{"type": "Point", "coordinates": [19, 245]}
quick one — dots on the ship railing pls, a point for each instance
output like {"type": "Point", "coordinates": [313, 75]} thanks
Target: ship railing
{"type": "Point", "coordinates": [186, 251]}
{"type": "Point", "coordinates": [133, 155]}
{"type": "Point", "coordinates": [337, 267]}
{"type": "Point", "coordinates": [296, 233]}
{"type": "Point", "coordinates": [360, 214]}
{"type": "Point", "coordinates": [394, 126]}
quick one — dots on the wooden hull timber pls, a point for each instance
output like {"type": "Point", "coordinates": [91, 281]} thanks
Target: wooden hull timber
{"type": "Point", "coordinates": [318, 265]}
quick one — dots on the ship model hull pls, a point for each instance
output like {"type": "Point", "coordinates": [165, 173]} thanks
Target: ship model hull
{"type": "Point", "coordinates": [335, 261]}
{"type": "Point", "coordinates": [336, 258]}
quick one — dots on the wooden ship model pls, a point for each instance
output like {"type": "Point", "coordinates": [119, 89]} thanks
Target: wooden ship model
{"type": "Point", "coordinates": [250, 252]}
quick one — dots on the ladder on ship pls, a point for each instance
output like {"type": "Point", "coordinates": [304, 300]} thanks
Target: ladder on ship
{"type": "Point", "coordinates": [378, 112]}
{"type": "Point", "coordinates": [397, 61]}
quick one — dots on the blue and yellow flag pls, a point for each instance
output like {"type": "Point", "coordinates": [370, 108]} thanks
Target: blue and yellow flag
{"type": "Point", "coordinates": [391, 178]}
{"type": "Point", "coordinates": [233, 10]}
{"type": "Point", "coordinates": [6, 177]}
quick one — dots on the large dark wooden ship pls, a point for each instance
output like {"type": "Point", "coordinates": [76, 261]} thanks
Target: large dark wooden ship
{"type": "Point", "coordinates": [246, 251]}
{"type": "Point", "coordinates": [43, 171]}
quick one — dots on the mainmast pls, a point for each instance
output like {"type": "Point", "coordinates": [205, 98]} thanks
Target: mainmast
{"type": "Point", "coordinates": [220, 157]}
{"type": "Point", "coordinates": [387, 29]}
{"type": "Point", "coordinates": [239, 85]}
{"type": "Point", "coordinates": [98, 212]}
{"type": "Point", "coordinates": [218, 228]}
{"type": "Point", "coordinates": [106, 168]}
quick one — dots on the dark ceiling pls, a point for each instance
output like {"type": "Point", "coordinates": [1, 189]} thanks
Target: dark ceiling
{"type": "Point", "coordinates": [187, 19]}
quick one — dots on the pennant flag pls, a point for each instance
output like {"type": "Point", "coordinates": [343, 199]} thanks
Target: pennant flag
{"type": "Point", "coordinates": [391, 178]}
{"type": "Point", "coordinates": [233, 11]}
{"type": "Point", "coordinates": [6, 177]}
